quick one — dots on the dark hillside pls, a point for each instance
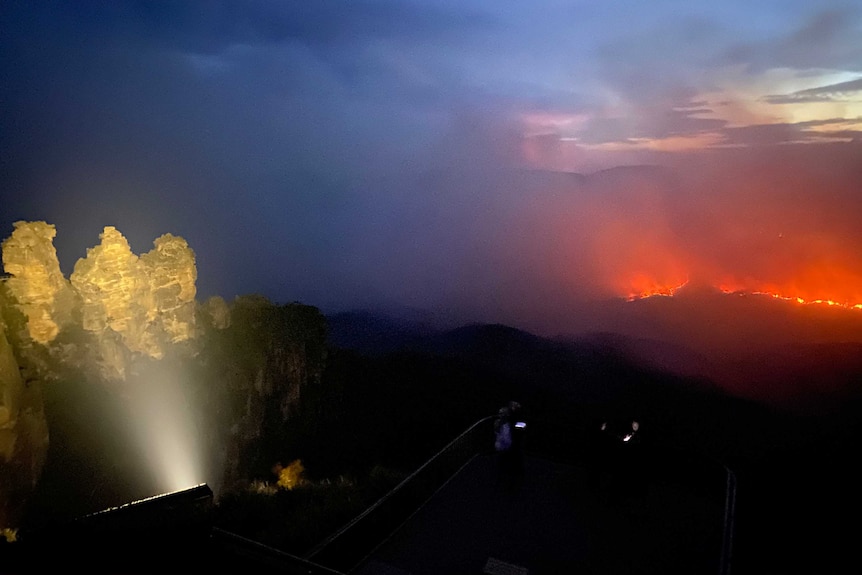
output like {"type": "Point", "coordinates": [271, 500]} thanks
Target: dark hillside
{"type": "Point", "coordinates": [372, 333]}
{"type": "Point", "coordinates": [573, 383]}
{"type": "Point", "coordinates": [794, 468]}
{"type": "Point", "coordinates": [381, 408]}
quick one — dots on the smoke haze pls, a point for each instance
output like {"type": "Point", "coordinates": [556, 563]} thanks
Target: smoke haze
{"type": "Point", "coordinates": [457, 161]}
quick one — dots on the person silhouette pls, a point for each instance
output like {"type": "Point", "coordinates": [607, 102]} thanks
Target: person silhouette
{"type": "Point", "coordinates": [509, 436]}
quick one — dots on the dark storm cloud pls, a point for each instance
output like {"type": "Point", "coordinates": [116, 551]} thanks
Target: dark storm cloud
{"type": "Point", "coordinates": [211, 26]}
{"type": "Point", "coordinates": [636, 61]}
{"type": "Point", "coordinates": [766, 134]}
{"type": "Point", "coordinates": [830, 93]}
{"type": "Point", "coordinates": [827, 39]}
{"type": "Point", "coordinates": [232, 124]}
{"type": "Point", "coordinates": [370, 153]}
{"type": "Point", "coordinates": [784, 133]}
{"type": "Point", "coordinates": [656, 122]}
{"type": "Point", "coordinates": [657, 70]}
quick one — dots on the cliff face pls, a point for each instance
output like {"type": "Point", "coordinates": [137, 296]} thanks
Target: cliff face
{"type": "Point", "coordinates": [43, 293]}
{"type": "Point", "coordinates": [242, 366]}
{"type": "Point", "coordinates": [149, 301]}
{"type": "Point", "coordinates": [23, 435]}
{"type": "Point", "coordinates": [145, 304]}
{"type": "Point", "coordinates": [269, 358]}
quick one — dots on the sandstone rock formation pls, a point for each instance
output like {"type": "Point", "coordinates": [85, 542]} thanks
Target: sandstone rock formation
{"type": "Point", "coordinates": [23, 436]}
{"type": "Point", "coordinates": [247, 368]}
{"type": "Point", "coordinates": [36, 281]}
{"type": "Point", "coordinates": [124, 305]}
{"type": "Point", "coordinates": [149, 300]}
{"type": "Point", "coordinates": [171, 273]}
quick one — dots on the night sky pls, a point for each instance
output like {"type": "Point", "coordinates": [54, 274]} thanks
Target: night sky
{"type": "Point", "coordinates": [475, 160]}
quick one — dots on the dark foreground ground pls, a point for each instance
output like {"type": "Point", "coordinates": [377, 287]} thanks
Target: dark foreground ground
{"type": "Point", "coordinates": [561, 518]}
{"type": "Point", "coordinates": [796, 508]}
{"type": "Point", "coordinates": [552, 518]}
{"type": "Point", "coordinates": [556, 518]}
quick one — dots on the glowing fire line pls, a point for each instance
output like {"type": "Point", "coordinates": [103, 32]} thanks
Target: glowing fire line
{"type": "Point", "coordinates": [673, 290]}
{"type": "Point", "coordinates": [799, 300]}
{"type": "Point", "coordinates": [656, 291]}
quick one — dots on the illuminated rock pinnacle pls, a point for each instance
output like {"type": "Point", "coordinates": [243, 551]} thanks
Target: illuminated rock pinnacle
{"type": "Point", "coordinates": [112, 287]}
{"type": "Point", "coordinates": [36, 281]}
{"type": "Point", "coordinates": [147, 300]}
{"type": "Point", "coordinates": [23, 436]}
{"type": "Point", "coordinates": [130, 303]}
{"type": "Point", "coordinates": [171, 272]}
{"type": "Point", "coordinates": [126, 305]}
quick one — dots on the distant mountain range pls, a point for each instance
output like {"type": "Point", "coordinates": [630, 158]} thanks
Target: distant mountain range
{"type": "Point", "coordinates": [751, 346]}
{"type": "Point", "coordinates": [771, 389]}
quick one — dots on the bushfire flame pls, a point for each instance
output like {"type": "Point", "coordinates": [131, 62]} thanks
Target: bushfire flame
{"type": "Point", "coordinates": [644, 287]}
{"type": "Point", "coordinates": [652, 288]}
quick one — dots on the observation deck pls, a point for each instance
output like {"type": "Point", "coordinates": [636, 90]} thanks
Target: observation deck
{"type": "Point", "coordinates": [606, 506]}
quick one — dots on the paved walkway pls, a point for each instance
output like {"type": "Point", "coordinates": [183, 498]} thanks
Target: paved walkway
{"type": "Point", "coordinates": [557, 520]}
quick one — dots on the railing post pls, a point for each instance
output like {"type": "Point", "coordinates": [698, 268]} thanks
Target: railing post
{"type": "Point", "coordinates": [729, 512]}
{"type": "Point", "coordinates": [347, 546]}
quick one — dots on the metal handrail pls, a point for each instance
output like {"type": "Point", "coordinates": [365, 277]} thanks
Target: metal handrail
{"type": "Point", "coordinates": [729, 517]}
{"type": "Point", "coordinates": [346, 547]}
{"type": "Point", "coordinates": [357, 539]}
{"type": "Point", "coordinates": [264, 555]}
